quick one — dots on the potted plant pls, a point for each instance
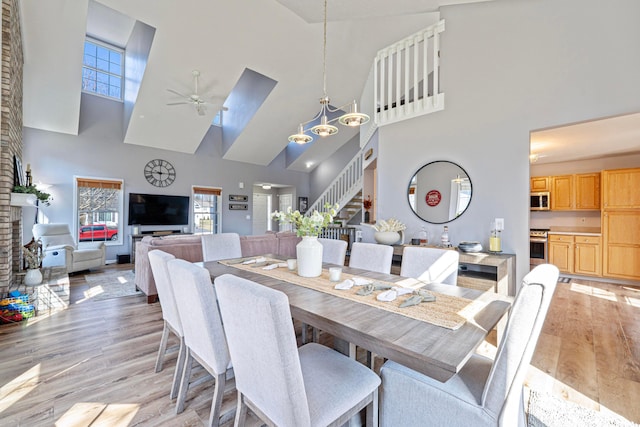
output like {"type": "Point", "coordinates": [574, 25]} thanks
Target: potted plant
{"type": "Point", "coordinates": [33, 256]}
{"type": "Point", "coordinates": [309, 250]}
{"type": "Point", "coordinates": [44, 198]}
{"type": "Point", "coordinates": [389, 232]}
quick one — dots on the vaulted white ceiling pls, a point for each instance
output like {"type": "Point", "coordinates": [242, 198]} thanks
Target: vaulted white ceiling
{"type": "Point", "coordinates": [280, 39]}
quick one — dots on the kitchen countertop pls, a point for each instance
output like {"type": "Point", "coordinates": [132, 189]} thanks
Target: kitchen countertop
{"type": "Point", "coordinates": [580, 231]}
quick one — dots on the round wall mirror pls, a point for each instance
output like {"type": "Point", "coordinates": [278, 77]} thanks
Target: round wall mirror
{"type": "Point", "coordinates": [439, 192]}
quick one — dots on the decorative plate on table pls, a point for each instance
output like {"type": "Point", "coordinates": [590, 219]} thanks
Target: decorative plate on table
{"type": "Point", "coordinates": [470, 246]}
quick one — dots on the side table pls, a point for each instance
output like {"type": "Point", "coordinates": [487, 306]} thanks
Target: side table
{"type": "Point", "coordinates": [53, 293]}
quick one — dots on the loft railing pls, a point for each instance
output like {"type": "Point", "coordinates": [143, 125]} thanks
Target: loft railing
{"type": "Point", "coordinates": [344, 188]}
{"type": "Point", "coordinates": [407, 77]}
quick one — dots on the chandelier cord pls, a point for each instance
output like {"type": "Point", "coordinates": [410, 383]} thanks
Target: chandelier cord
{"type": "Point", "coordinates": [324, 52]}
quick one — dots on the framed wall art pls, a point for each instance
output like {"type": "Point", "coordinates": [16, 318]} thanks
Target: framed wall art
{"type": "Point", "coordinates": [238, 207]}
{"type": "Point", "coordinates": [238, 198]}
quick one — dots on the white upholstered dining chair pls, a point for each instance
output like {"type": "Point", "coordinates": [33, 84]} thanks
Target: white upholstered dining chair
{"type": "Point", "coordinates": [430, 265]}
{"type": "Point", "coordinates": [371, 256]}
{"type": "Point", "coordinates": [281, 384]}
{"type": "Point", "coordinates": [204, 338]}
{"type": "Point", "coordinates": [334, 251]}
{"type": "Point", "coordinates": [158, 261]}
{"type": "Point", "coordinates": [220, 246]}
{"type": "Point", "coordinates": [485, 392]}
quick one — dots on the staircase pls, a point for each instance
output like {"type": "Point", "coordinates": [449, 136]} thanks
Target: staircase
{"type": "Point", "coordinates": [345, 190]}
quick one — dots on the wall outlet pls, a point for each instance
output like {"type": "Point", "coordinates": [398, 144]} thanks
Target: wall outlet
{"type": "Point", "coordinates": [499, 224]}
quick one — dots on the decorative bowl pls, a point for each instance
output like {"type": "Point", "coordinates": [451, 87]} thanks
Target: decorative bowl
{"type": "Point", "coordinates": [470, 246]}
{"type": "Point", "coordinates": [386, 237]}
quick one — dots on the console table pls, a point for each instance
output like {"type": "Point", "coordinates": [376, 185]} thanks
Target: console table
{"type": "Point", "coordinates": [481, 270]}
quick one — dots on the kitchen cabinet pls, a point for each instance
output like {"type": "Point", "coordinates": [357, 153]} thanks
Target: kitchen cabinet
{"type": "Point", "coordinates": [577, 254]}
{"type": "Point", "coordinates": [562, 193]}
{"type": "Point", "coordinates": [561, 252]}
{"type": "Point", "coordinates": [539, 183]}
{"type": "Point", "coordinates": [620, 189]}
{"type": "Point", "coordinates": [575, 192]}
{"type": "Point", "coordinates": [621, 223]}
{"type": "Point", "coordinates": [587, 256]}
{"type": "Point", "coordinates": [587, 191]}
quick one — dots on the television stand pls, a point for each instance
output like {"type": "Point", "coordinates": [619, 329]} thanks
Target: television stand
{"type": "Point", "coordinates": [135, 238]}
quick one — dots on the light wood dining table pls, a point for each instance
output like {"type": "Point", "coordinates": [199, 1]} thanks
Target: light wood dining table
{"type": "Point", "coordinates": [432, 350]}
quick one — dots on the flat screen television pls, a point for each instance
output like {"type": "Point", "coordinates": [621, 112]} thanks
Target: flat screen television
{"type": "Point", "coordinates": [156, 209]}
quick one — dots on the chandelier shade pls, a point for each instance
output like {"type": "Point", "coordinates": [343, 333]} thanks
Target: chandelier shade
{"type": "Point", "coordinates": [325, 128]}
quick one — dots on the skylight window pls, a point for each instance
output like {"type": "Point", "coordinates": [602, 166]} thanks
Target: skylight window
{"type": "Point", "coordinates": [102, 69]}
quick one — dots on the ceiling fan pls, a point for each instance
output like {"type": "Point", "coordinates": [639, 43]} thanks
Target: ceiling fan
{"type": "Point", "coordinates": [196, 100]}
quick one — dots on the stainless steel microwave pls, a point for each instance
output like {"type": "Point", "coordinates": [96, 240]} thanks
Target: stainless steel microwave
{"type": "Point", "coordinates": [540, 201]}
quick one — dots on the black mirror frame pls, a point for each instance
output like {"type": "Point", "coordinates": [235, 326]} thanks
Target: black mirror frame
{"type": "Point", "coordinates": [424, 166]}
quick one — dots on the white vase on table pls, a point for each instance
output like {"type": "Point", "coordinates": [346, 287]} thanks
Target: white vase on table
{"type": "Point", "coordinates": [33, 277]}
{"type": "Point", "coordinates": [309, 254]}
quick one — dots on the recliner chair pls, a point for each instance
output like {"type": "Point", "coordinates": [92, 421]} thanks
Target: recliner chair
{"type": "Point", "coordinates": [60, 249]}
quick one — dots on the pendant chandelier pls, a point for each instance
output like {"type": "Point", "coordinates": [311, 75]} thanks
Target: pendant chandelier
{"type": "Point", "coordinates": [325, 128]}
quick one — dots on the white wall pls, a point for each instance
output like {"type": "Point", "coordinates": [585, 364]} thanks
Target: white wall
{"type": "Point", "coordinates": [98, 151]}
{"type": "Point", "coordinates": [509, 67]}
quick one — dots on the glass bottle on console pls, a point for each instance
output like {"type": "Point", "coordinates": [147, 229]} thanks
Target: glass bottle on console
{"type": "Point", "coordinates": [444, 238]}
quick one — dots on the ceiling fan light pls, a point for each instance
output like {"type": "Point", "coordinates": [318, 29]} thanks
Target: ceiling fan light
{"type": "Point", "coordinates": [353, 118]}
{"type": "Point", "coordinates": [324, 128]}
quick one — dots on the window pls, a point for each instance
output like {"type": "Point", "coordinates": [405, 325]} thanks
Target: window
{"type": "Point", "coordinates": [207, 208]}
{"type": "Point", "coordinates": [102, 69]}
{"type": "Point", "coordinates": [99, 206]}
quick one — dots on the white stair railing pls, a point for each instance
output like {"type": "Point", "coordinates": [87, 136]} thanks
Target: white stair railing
{"type": "Point", "coordinates": [344, 188]}
{"type": "Point", "coordinates": [406, 77]}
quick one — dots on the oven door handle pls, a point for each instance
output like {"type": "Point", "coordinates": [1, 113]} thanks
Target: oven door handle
{"type": "Point", "coordinates": [537, 240]}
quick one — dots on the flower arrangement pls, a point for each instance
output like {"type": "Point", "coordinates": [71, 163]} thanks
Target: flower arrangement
{"type": "Point", "coordinates": [308, 225]}
{"type": "Point", "coordinates": [391, 224]}
{"type": "Point", "coordinates": [33, 254]}
{"type": "Point", "coordinates": [366, 204]}
{"type": "Point", "coordinates": [45, 198]}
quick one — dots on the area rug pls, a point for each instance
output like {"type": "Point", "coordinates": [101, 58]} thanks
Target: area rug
{"type": "Point", "coordinates": [546, 410]}
{"type": "Point", "coordinates": [111, 284]}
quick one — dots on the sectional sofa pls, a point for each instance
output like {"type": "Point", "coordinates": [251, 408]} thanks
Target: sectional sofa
{"type": "Point", "coordinates": [189, 247]}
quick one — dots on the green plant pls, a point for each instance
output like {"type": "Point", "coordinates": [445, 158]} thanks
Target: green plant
{"type": "Point", "coordinates": [308, 225]}
{"type": "Point", "coordinates": [45, 198]}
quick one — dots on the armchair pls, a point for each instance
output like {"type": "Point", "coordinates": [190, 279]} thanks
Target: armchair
{"type": "Point", "coordinates": [60, 249]}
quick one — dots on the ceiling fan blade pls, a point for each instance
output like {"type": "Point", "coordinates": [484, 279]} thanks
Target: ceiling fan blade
{"type": "Point", "coordinates": [178, 93]}
{"type": "Point", "coordinates": [201, 110]}
{"type": "Point", "coordinates": [178, 103]}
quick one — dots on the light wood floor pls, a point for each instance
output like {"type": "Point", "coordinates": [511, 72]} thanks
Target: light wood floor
{"type": "Point", "coordinates": [92, 364]}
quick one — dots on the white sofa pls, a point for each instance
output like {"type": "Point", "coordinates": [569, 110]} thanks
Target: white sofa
{"type": "Point", "coordinates": [60, 249]}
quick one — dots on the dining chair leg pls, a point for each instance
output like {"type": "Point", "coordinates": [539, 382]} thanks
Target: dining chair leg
{"type": "Point", "coordinates": [372, 411]}
{"type": "Point", "coordinates": [218, 393]}
{"type": "Point", "coordinates": [184, 383]}
{"type": "Point", "coordinates": [163, 346]}
{"type": "Point", "coordinates": [304, 333]}
{"type": "Point", "coordinates": [175, 385]}
{"type": "Point", "coordinates": [241, 412]}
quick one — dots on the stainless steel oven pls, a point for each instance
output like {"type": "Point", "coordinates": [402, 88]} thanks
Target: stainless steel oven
{"type": "Point", "coordinates": [538, 248]}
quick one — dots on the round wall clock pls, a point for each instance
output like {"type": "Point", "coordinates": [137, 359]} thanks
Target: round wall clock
{"type": "Point", "coordinates": [159, 173]}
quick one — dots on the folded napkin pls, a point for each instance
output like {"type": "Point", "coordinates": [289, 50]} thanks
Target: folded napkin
{"type": "Point", "coordinates": [255, 260]}
{"type": "Point", "coordinates": [360, 281]}
{"type": "Point", "coordinates": [392, 294]}
{"type": "Point", "coordinates": [345, 284]}
{"type": "Point", "coordinates": [275, 265]}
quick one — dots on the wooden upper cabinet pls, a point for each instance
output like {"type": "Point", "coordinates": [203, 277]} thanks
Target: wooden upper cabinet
{"type": "Point", "coordinates": [562, 193]}
{"type": "Point", "coordinates": [539, 183]}
{"type": "Point", "coordinates": [587, 191]}
{"type": "Point", "coordinates": [621, 189]}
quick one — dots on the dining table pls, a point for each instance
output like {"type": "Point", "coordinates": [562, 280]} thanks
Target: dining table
{"type": "Point", "coordinates": [437, 351]}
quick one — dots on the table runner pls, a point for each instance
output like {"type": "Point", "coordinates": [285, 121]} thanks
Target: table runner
{"type": "Point", "coordinates": [447, 311]}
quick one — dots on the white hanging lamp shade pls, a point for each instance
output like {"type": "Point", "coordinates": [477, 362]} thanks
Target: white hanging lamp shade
{"type": "Point", "coordinates": [353, 118]}
{"type": "Point", "coordinates": [324, 128]}
{"type": "Point", "coordinates": [300, 137]}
